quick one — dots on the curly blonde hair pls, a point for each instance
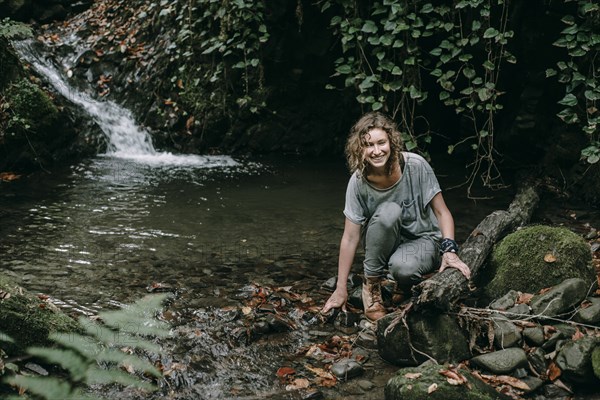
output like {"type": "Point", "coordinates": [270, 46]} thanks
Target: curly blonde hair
{"type": "Point", "coordinates": [357, 142]}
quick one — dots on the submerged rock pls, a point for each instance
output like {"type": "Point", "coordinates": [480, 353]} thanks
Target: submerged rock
{"type": "Point", "coordinates": [347, 369]}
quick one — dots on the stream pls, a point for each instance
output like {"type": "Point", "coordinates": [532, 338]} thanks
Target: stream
{"type": "Point", "coordinates": [210, 229]}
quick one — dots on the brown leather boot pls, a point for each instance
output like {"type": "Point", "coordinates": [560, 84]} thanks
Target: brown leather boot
{"type": "Point", "coordinates": [371, 297]}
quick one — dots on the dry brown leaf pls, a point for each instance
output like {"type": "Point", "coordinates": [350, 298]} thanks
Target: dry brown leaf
{"type": "Point", "coordinates": [326, 382]}
{"type": "Point", "coordinates": [319, 372]}
{"type": "Point", "coordinates": [453, 376]}
{"type": "Point", "coordinates": [413, 375]}
{"type": "Point", "coordinates": [577, 335]}
{"type": "Point", "coordinates": [283, 372]}
{"type": "Point", "coordinates": [554, 371]}
{"type": "Point", "coordinates": [585, 304]}
{"type": "Point", "coordinates": [298, 383]}
{"type": "Point", "coordinates": [432, 388]}
{"type": "Point", "coordinates": [8, 176]}
{"type": "Point", "coordinates": [550, 258]}
{"type": "Point", "coordinates": [561, 385]}
{"type": "Point", "coordinates": [512, 381]}
{"type": "Point", "coordinates": [246, 310]}
{"type": "Point", "coordinates": [524, 298]}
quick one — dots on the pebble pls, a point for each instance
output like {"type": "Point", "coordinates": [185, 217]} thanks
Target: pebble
{"type": "Point", "coordinates": [346, 369]}
{"type": "Point", "coordinates": [365, 385]}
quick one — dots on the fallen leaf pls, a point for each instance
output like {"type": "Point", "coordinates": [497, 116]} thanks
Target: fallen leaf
{"type": "Point", "coordinates": [246, 310]}
{"type": "Point", "coordinates": [432, 388]}
{"type": "Point", "coordinates": [283, 372]}
{"type": "Point", "coordinates": [550, 258]}
{"type": "Point", "coordinates": [512, 381]}
{"type": "Point", "coordinates": [577, 335]}
{"type": "Point", "coordinates": [326, 382]}
{"type": "Point", "coordinates": [561, 385]}
{"type": "Point", "coordinates": [413, 375]}
{"type": "Point", "coordinates": [299, 383]}
{"type": "Point", "coordinates": [524, 298]}
{"type": "Point", "coordinates": [320, 372]}
{"type": "Point", "coordinates": [8, 176]}
{"type": "Point", "coordinates": [454, 378]}
{"type": "Point", "coordinates": [553, 371]}
{"type": "Point", "coordinates": [585, 304]}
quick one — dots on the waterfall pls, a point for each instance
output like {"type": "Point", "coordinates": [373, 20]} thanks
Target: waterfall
{"type": "Point", "coordinates": [126, 139]}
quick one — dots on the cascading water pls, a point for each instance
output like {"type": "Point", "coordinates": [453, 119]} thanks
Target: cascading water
{"type": "Point", "coordinates": [126, 139]}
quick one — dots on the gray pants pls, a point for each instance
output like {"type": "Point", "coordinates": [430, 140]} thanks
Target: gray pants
{"type": "Point", "coordinates": [406, 260]}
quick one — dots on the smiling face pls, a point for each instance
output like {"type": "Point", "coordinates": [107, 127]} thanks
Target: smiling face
{"type": "Point", "coordinates": [377, 149]}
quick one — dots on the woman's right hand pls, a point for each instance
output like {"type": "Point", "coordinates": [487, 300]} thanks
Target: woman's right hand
{"type": "Point", "coordinates": [337, 299]}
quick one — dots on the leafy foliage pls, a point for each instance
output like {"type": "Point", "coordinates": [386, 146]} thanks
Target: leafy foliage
{"type": "Point", "coordinates": [103, 355]}
{"type": "Point", "coordinates": [13, 29]}
{"type": "Point", "coordinates": [384, 59]}
{"type": "Point", "coordinates": [579, 72]}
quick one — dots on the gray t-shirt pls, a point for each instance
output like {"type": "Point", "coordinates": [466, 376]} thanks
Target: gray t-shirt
{"type": "Point", "coordinates": [413, 192]}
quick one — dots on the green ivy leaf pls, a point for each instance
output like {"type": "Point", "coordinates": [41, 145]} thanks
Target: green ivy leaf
{"type": "Point", "coordinates": [490, 33]}
{"type": "Point", "coordinates": [550, 72]}
{"type": "Point", "coordinates": [369, 27]}
{"type": "Point", "coordinates": [569, 100]}
{"type": "Point", "coordinates": [376, 106]}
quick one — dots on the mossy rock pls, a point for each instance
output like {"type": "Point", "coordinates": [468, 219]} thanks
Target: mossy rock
{"type": "Point", "coordinates": [596, 361]}
{"type": "Point", "coordinates": [31, 108]}
{"type": "Point", "coordinates": [27, 319]}
{"type": "Point", "coordinates": [538, 257]}
{"type": "Point", "coordinates": [417, 383]}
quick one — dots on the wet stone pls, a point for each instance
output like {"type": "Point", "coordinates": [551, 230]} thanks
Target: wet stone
{"type": "Point", "coordinates": [589, 315]}
{"type": "Point", "coordinates": [346, 369]}
{"type": "Point", "coordinates": [534, 336]}
{"type": "Point", "coordinates": [506, 334]}
{"type": "Point", "coordinates": [555, 392]}
{"type": "Point", "coordinates": [518, 312]}
{"type": "Point", "coordinates": [367, 340]}
{"type": "Point", "coordinates": [537, 360]}
{"type": "Point", "coordinates": [36, 368]}
{"type": "Point", "coordinates": [550, 344]}
{"type": "Point", "coordinates": [365, 385]}
{"type": "Point", "coordinates": [502, 361]}
{"type": "Point", "coordinates": [505, 302]}
{"type": "Point", "coordinates": [533, 383]}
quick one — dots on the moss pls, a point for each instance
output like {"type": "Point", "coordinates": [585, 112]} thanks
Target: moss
{"type": "Point", "coordinates": [31, 108]}
{"type": "Point", "coordinates": [518, 262]}
{"type": "Point", "coordinates": [29, 320]}
{"type": "Point", "coordinates": [596, 361]}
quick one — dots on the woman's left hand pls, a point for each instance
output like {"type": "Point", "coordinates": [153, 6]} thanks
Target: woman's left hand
{"type": "Point", "coordinates": [451, 260]}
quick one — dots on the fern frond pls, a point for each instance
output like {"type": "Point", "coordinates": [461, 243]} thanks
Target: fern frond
{"type": "Point", "coordinates": [118, 357]}
{"type": "Point", "coordinates": [49, 388]}
{"type": "Point", "coordinates": [96, 375]}
{"type": "Point", "coordinates": [84, 345]}
{"type": "Point", "coordinates": [111, 338]}
{"type": "Point", "coordinates": [139, 317]}
{"type": "Point", "coordinates": [67, 359]}
{"type": "Point", "coordinates": [5, 338]}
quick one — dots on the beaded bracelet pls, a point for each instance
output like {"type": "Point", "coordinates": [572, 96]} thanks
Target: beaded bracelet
{"type": "Point", "coordinates": [448, 245]}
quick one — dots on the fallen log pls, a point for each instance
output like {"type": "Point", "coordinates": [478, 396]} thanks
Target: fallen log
{"type": "Point", "coordinates": [444, 289]}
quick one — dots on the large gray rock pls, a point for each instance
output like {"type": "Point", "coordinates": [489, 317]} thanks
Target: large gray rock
{"type": "Point", "coordinates": [596, 361]}
{"type": "Point", "coordinates": [561, 299]}
{"type": "Point", "coordinates": [436, 335]}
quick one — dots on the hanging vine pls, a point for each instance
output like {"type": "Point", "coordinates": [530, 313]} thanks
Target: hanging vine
{"type": "Point", "coordinates": [580, 73]}
{"type": "Point", "coordinates": [384, 61]}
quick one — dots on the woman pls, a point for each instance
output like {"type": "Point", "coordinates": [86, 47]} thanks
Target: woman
{"type": "Point", "coordinates": [394, 203]}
